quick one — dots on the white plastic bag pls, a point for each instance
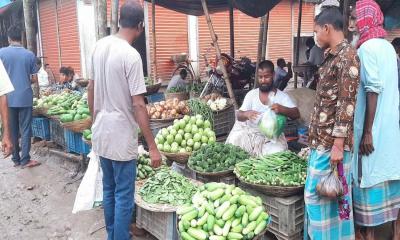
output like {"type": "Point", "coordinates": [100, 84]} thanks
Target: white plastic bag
{"type": "Point", "coordinates": [90, 191]}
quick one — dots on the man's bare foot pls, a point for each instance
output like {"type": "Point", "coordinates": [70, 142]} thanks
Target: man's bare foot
{"type": "Point", "coordinates": [31, 164]}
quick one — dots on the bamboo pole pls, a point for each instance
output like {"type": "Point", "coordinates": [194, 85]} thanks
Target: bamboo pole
{"type": "Point", "coordinates": [218, 50]}
{"type": "Point", "coordinates": [260, 48]}
{"type": "Point", "coordinates": [346, 14]}
{"type": "Point", "coordinates": [231, 29]}
{"type": "Point", "coordinates": [114, 16]}
{"type": "Point", "coordinates": [265, 38]}
{"type": "Point", "coordinates": [298, 39]}
{"type": "Point", "coordinates": [153, 32]}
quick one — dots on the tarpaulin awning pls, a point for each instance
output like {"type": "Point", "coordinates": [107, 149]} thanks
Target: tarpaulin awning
{"type": "Point", "coordinates": [253, 8]}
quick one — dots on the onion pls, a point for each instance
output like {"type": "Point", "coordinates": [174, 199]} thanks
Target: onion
{"type": "Point", "coordinates": [173, 111]}
{"type": "Point", "coordinates": [157, 114]}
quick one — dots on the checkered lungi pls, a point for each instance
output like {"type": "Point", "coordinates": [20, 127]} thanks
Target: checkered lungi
{"type": "Point", "coordinates": [376, 205]}
{"type": "Point", "coordinates": [322, 221]}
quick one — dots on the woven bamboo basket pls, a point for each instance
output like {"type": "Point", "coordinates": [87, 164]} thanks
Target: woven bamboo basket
{"type": "Point", "coordinates": [39, 111]}
{"type": "Point", "coordinates": [276, 191]}
{"type": "Point", "coordinates": [180, 96]}
{"type": "Point", "coordinates": [181, 158]}
{"type": "Point", "coordinates": [78, 126]}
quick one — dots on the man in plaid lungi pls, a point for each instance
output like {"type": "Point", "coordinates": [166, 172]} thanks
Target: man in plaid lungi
{"type": "Point", "coordinates": [376, 166]}
{"type": "Point", "coordinates": [331, 129]}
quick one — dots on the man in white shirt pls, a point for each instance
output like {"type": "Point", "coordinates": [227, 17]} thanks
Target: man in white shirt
{"type": "Point", "coordinates": [245, 133]}
{"type": "Point", "coordinates": [5, 87]}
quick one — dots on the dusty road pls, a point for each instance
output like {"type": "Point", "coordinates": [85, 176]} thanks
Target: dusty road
{"type": "Point", "coordinates": [37, 203]}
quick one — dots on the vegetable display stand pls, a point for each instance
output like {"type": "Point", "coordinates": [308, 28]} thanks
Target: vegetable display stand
{"type": "Point", "coordinates": [41, 128]}
{"type": "Point", "coordinates": [78, 126]}
{"type": "Point", "coordinates": [74, 143]}
{"type": "Point", "coordinates": [184, 170]}
{"type": "Point", "coordinates": [224, 121]}
{"type": "Point", "coordinates": [287, 214]}
{"type": "Point", "coordinates": [158, 219]}
{"type": "Point", "coordinates": [157, 124]}
{"type": "Point", "coordinates": [57, 133]}
{"type": "Point", "coordinates": [161, 225]}
{"type": "Point", "coordinates": [181, 158]}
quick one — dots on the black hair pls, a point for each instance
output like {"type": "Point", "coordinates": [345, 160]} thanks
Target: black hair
{"type": "Point", "coordinates": [183, 73]}
{"type": "Point", "coordinates": [15, 33]}
{"type": "Point", "coordinates": [396, 42]}
{"type": "Point", "coordinates": [131, 14]}
{"type": "Point", "coordinates": [310, 42]}
{"type": "Point", "coordinates": [330, 16]}
{"type": "Point", "coordinates": [266, 64]}
{"type": "Point", "coordinates": [280, 62]}
{"type": "Point", "coordinates": [67, 71]}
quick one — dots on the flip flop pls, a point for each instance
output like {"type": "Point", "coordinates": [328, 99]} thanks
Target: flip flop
{"type": "Point", "coordinates": [31, 164]}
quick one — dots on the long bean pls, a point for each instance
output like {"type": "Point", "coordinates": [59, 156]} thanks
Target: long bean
{"type": "Point", "coordinates": [198, 107]}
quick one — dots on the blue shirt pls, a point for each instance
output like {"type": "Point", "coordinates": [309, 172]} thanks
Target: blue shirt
{"type": "Point", "coordinates": [19, 64]}
{"type": "Point", "coordinates": [379, 74]}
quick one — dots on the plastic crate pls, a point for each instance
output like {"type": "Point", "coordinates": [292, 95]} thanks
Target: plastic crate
{"type": "Point", "coordinates": [41, 128]}
{"type": "Point", "coordinates": [74, 143]}
{"type": "Point", "coordinates": [159, 224]}
{"type": "Point", "coordinates": [231, 179]}
{"type": "Point", "coordinates": [291, 129]}
{"type": "Point", "coordinates": [156, 97]}
{"type": "Point", "coordinates": [287, 214]}
{"type": "Point", "coordinates": [224, 121]}
{"type": "Point", "coordinates": [57, 133]}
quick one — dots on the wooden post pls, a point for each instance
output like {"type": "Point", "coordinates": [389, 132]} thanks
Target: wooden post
{"type": "Point", "coordinates": [114, 16]}
{"type": "Point", "coordinates": [153, 32]}
{"type": "Point", "coordinates": [260, 48]}
{"type": "Point", "coordinates": [231, 29]}
{"type": "Point", "coordinates": [218, 50]}
{"type": "Point", "coordinates": [30, 21]}
{"type": "Point", "coordinates": [102, 18]}
{"type": "Point", "coordinates": [298, 39]}
{"type": "Point", "coordinates": [346, 14]}
{"type": "Point", "coordinates": [265, 37]}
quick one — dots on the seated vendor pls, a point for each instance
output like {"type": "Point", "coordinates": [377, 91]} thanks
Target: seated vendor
{"type": "Point", "coordinates": [178, 81]}
{"type": "Point", "coordinates": [245, 132]}
{"type": "Point", "coordinates": [66, 80]}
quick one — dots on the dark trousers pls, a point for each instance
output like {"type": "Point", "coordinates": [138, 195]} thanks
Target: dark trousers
{"type": "Point", "coordinates": [20, 119]}
{"type": "Point", "coordinates": [118, 196]}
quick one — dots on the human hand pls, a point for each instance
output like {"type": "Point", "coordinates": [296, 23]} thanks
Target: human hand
{"type": "Point", "coordinates": [252, 115]}
{"type": "Point", "coordinates": [277, 108]}
{"type": "Point", "coordinates": [367, 145]}
{"type": "Point", "coordinates": [155, 157]}
{"type": "Point", "coordinates": [337, 154]}
{"type": "Point", "coordinates": [7, 146]}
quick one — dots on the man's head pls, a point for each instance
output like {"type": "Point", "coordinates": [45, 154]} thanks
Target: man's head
{"type": "Point", "coordinates": [396, 45]}
{"type": "Point", "coordinates": [183, 73]}
{"type": "Point", "coordinates": [366, 21]}
{"type": "Point", "coordinates": [14, 34]}
{"type": "Point", "coordinates": [281, 63]}
{"type": "Point", "coordinates": [266, 76]}
{"type": "Point", "coordinates": [131, 19]}
{"type": "Point", "coordinates": [327, 25]}
{"type": "Point", "coordinates": [66, 74]}
{"type": "Point", "coordinates": [310, 42]}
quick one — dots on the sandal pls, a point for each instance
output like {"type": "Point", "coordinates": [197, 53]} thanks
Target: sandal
{"type": "Point", "coordinates": [31, 164]}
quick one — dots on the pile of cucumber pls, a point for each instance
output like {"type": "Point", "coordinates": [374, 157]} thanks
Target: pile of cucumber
{"type": "Point", "coordinates": [222, 212]}
{"type": "Point", "coordinates": [144, 169]}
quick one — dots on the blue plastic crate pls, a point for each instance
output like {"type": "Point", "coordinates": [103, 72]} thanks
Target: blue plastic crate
{"type": "Point", "coordinates": [57, 133]}
{"type": "Point", "coordinates": [74, 143]}
{"type": "Point", "coordinates": [157, 97]}
{"type": "Point", "coordinates": [41, 128]}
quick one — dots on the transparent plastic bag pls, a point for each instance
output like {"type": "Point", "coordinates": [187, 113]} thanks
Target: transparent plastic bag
{"type": "Point", "coordinates": [330, 186]}
{"type": "Point", "coordinates": [271, 124]}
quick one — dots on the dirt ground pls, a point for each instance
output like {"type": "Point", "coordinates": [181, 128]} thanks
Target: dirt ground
{"type": "Point", "coordinates": [37, 203]}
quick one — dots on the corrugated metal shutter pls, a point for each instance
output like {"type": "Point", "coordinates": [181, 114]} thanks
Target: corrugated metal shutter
{"type": "Point", "coordinates": [48, 27]}
{"type": "Point", "coordinates": [172, 38]}
{"type": "Point", "coordinates": [280, 33]}
{"type": "Point", "coordinates": [69, 34]}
